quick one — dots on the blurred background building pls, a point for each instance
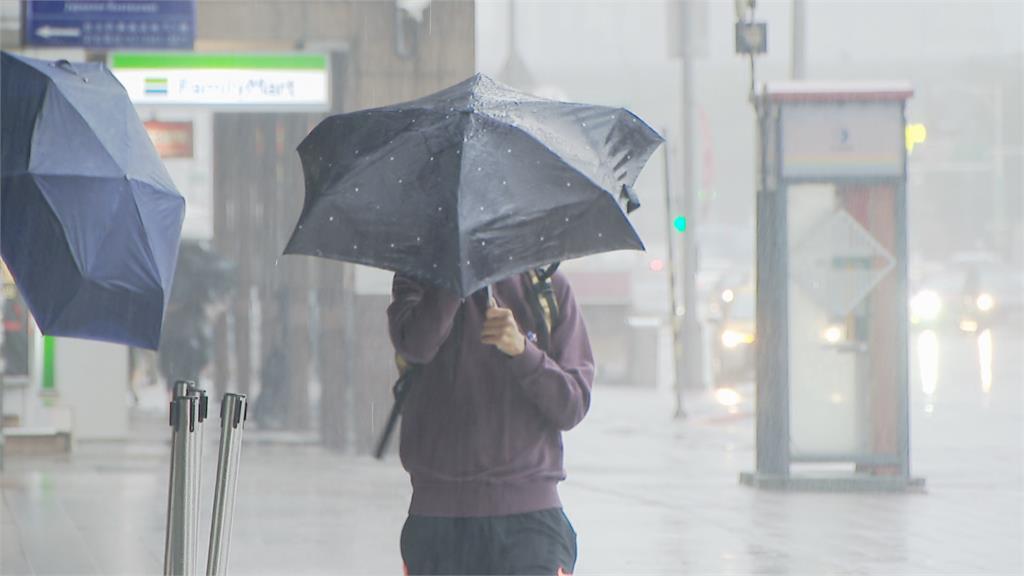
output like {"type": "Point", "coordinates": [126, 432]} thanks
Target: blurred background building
{"type": "Point", "coordinates": [306, 338]}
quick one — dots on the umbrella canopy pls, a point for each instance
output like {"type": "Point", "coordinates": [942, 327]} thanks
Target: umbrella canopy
{"type": "Point", "coordinates": [89, 218]}
{"type": "Point", "coordinates": [472, 184]}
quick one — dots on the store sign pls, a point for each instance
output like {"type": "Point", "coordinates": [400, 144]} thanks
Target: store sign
{"type": "Point", "coordinates": [237, 81]}
{"type": "Point", "coordinates": [146, 24]}
{"type": "Point", "coordinates": [854, 140]}
{"type": "Point", "coordinates": [171, 139]}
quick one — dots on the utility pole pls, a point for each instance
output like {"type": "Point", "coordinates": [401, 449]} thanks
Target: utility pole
{"type": "Point", "coordinates": [692, 357]}
{"type": "Point", "coordinates": [687, 21]}
{"type": "Point", "coordinates": [798, 63]}
{"type": "Point", "coordinates": [675, 307]}
{"type": "Point", "coordinates": [514, 72]}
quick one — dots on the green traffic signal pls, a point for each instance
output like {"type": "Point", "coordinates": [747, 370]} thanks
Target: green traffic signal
{"type": "Point", "coordinates": [679, 224]}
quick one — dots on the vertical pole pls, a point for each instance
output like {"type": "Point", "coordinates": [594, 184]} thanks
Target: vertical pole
{"type": "Point", "coordinates": [195, 471]}
{"type": "Point", "coordinates": [692, 348]}
{"type": "Point", "coordinates": [190, 493]}
{"type": "Point", "coordinates": [348, 306]}
{"type": "Point", "coordinates": [675, 313]}
{"type": "Point", "coordinates": [179, 545]}
{"type": "Point", "coordinates": [798, 63]}
{"type": "Point", "coordinates": [170, 534]}
{"type": "Point", "coordinates": [233, 412]}
{"type": "Point", "coordinates": [772, 349]}
{"type": "Point", "coordinates": [903, 313]}
{"type": "Point", "coordinates": [171, 545]}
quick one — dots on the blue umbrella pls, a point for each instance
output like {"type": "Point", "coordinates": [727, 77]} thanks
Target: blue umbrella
{"type": "Point", "coordinates": [89, 218]}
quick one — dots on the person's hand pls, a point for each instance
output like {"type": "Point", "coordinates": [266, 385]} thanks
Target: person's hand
{"type": "Point", "coordinates": [500, 330]}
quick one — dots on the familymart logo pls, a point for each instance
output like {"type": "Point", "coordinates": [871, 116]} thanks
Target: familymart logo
{"type": "Point", "coordinates": [156, 86]}
{"type": "Point", "coordinates": [236, 80]}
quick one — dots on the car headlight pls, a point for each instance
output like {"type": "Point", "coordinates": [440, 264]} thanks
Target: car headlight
{"type": "Point", "coordinates": [925, 305]}
{"type": "Point", "coordinates": [969, 326]}
{"type": "Point", "coordinates": [834, 333]}
{"type": "Point", "coordinates": [728, 397]}
{"type": "Point", "coordinates": [733, 338]}
{"type": "Point", "coordinates": [985, 302]}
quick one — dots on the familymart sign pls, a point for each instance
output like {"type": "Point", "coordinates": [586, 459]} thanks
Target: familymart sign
{"type": "Point", "coordinates": [237, 81]}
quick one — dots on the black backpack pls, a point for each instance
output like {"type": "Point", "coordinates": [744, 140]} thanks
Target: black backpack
{"type": "Point", "coordinates": [544, 305]}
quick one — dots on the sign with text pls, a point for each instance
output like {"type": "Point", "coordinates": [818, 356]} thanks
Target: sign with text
{"type": "Point", "coordinates": [153, 24]}
{"type": "Point", "coordinates": [171, 139]}
{"type": "Point", "coordinates": [237, 81]}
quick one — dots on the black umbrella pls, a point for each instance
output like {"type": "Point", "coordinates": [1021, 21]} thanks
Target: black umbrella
{"type": "Point", "coordinates": [472, 184]}
{"type": "Point", "coordinates": [90, 218]}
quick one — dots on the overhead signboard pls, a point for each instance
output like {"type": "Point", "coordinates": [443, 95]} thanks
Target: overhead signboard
{"type": "Point", "coordinates": [236, 81]}
{"type": "Point", "coordinates": [153, 24]}
{"type": "Point", "coordinates": [854, 140]}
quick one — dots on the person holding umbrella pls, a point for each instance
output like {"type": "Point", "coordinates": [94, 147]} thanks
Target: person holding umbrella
{"type": "Point", "coordinates": [482, 427]}
{"type": "Point", "coordinates": [469, 195]}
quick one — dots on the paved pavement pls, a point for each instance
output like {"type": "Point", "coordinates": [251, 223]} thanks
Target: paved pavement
{"type": "Point", "coordinates": [648, 495]}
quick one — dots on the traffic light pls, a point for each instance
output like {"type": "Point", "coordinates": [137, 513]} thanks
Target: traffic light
{"type": "Point", "coordinates": [915, 134]}
{"type": "Point", "coordinates": [679, 223]}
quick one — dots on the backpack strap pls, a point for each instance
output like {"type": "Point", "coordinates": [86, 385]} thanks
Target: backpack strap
{"type": "Point", "coordinates": [544, 303]}
{"type": "Point", "coordinates": [401, 363]}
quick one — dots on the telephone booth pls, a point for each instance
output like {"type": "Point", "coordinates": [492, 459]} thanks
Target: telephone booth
{"type": "Point", "coordinates": [831, 342]}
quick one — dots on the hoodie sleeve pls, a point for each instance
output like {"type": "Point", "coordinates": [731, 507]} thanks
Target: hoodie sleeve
{"type": "Point", "coordinates": [419, 318]}
{"type": "Point", "coordinates": [559, 381]}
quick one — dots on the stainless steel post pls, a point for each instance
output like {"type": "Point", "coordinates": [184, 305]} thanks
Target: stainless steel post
{"type": "Point", "coordinates": [181, 387]}
{"type": "Point", "coordinates": [196, 471]}
{"type": "Point", "coordinates": [179, 548]}
{"type": "Point", "coordinates": [233, 412]}
{"type": "Point", "coordinates": [171, 545]}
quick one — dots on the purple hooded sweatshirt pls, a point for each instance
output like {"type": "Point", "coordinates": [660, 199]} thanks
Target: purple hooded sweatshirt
{"type": "Point", "coordinates": [482, 431]}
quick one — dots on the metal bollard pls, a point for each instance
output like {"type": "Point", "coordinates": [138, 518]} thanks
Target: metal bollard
{"type": "Point", "coordinates": [180, 542]}
{"type": "Point", "coordinates": [233, 413]}
{"type": "Point", "coordinates": [202, 405]}
{"type": "Point", "coordinates": [171, 544]}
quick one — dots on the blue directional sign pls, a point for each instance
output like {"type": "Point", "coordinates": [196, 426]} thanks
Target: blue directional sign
{"type": "Point", "coordinates": [154, 24]}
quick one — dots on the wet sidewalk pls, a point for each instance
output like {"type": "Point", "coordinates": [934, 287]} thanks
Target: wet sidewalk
{"type": "Point", "coordinates": [648, 495]}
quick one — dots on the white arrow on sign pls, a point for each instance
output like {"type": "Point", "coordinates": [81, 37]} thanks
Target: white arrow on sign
{"type": "Point", "coordinates": [54, 32]}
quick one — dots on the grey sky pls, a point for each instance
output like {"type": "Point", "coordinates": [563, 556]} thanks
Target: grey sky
{"type": "Point", "coordinates": [554, 33]}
